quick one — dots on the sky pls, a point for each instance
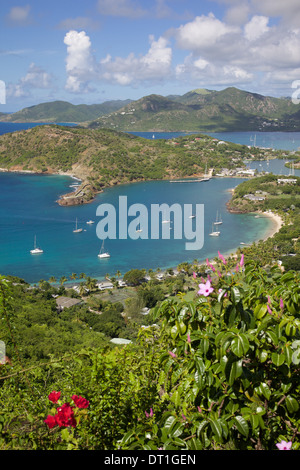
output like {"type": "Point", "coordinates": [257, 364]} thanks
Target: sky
{"type": "Point", "coordinates": [92, 51]}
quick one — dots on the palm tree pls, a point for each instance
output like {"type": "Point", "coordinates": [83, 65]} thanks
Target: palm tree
{"type": "Point", "coordinates": [62, 280]}
{"type": "Point", "coordinates": [118, 274]}
{"type": "Point", "coordinates": [73, 276]}
{"type": "Point", "coordinates": [52, 280]}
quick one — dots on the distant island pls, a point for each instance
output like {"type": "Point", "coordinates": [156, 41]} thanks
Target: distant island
{"type": "Point", "coordinates": [101, 158]}
{"type": "Point", "coordinates": [199, 110]}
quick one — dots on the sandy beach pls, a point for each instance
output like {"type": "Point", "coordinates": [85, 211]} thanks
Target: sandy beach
{"type": "Point", "coordinates": [278, 223]}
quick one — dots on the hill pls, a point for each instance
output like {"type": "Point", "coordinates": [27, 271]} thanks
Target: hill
{"type": "Point", "coordinates": [62, 111]}
{"type": "Point", "coordinates": [103, 157]}
{"type": "Point", "coordinates": [199, 110]}
{"type": "Point", "coordinates": [203, 110]}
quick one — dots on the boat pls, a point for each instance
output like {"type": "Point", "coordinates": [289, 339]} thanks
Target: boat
{"type": "Point", "coordinates": [102, 253]}
{"type": "Point", "coordinates": [77, 230]}
{"type": "Point", "coordinates": [214, 233]}
{"type": "Point", "coordinates": [192, 216]}
{"type": "Point", "coordinates": [36, 250]}
{"type": "Point", "coordinates": [139, 229]}
{"type": "Point", "coordinates": [90, 222]}
{"type": "Point", "coordinates": [218, 220]}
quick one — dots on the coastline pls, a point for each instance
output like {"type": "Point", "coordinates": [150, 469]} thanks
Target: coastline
{"type": "Point", "coordinates": [278, 223]}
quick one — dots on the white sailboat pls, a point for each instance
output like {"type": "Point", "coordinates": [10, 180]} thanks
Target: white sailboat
{"type": "Point", "coordinates": [77, 230]}
{"type": "Point", "coordinates": [90, 222]}
{"type": "Point", "coordinates": [103, 254]}
{"type": "Point", "coordinates": [139, 229]}
{"type": "Point", "coordinates": [214, 233]}
{"type": "Point", "coordinates": [36, 250]}
{"type": "Point", "coordinates": [218, 219]}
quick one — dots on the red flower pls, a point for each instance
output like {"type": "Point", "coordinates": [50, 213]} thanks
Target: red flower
{"type": "Point", "coordinates": [65, 416]}
{"type": "Point", "coordinates": [54, 396]}
{"type": "Point", "coordinates": [80, 402]}
{"type": "Point", "coordinates": [50, 421]}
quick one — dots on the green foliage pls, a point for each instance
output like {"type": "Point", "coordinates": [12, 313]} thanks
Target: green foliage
{"type": "Point", "coordinates": [216, 372]}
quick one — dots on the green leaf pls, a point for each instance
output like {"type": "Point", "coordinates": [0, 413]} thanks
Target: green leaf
{"type": "Point", "coordinates": [240, 345]}
{"type": "Point", "coordinates": [235, 295]}
{"type": "Point", "coordinates": [242, 425]}
{"type": "Point", "coordinates": [277, 359]}
{"type": "Point", "coordinates": [291, 404]}
{"type": "Point", "coordinates": [216, 428]}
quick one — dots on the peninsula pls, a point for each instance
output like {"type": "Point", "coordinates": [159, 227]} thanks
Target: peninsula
{"type": "Point", "coordinates": [101, 158]}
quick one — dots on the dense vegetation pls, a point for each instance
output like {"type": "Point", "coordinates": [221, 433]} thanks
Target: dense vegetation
{"type": "Point", "coordinates": [213, 365]}
{"type": "Point", "coordinates": [283, 199]}
{"type": "Point", "coordinates": [217, 371]}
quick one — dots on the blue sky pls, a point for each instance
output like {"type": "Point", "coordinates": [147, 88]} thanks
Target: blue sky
{"type": "Point", "coordinates": [96, 50]}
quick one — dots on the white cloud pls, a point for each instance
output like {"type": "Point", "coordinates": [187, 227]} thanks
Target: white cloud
{"type": "Point", "coordinates": [35, 78]}
{"type": "Point", "coordinates": [209, 74]}
{"type": "Point", "coordinates": [80, 63]}
{"type": "Point", "coordinates": [204, 32]}
{"type": "Point", "coordinates": [155, 65]}
{"type": "Point", "coordinates": [257, 26]}
{"type": "Point", "coordinates": [82, 67]}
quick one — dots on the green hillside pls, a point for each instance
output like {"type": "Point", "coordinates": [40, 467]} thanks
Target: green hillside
{"type": "Point", "coordinates": [204, 110]}
{"type": "Point", "coordinates": [62, 111]}
{"type": "Point", "coordinates": [105, 157]}
{"type": "Point", "coordinates": [198, 110]}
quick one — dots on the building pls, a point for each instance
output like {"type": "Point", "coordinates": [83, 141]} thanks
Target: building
{"type": "Point", "coordinates": [66, 302]}
{"type": "Point", "coordinates": [252, 197]}
{"type": "Point", "coordinates": [286, 181]}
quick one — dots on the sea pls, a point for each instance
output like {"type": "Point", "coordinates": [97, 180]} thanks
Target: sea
{"type": "Point", "coordinates": [29, 212]}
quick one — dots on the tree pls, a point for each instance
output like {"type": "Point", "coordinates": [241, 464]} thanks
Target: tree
{"type": "Point", "coordinates": [134, 277]}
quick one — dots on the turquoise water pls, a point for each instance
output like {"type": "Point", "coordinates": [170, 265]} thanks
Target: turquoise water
{"type": "Point", "coordinates": [28, 209]}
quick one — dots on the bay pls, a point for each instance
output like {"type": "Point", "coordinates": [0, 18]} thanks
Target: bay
{"type": "Point", "coordinates": [28, 208]}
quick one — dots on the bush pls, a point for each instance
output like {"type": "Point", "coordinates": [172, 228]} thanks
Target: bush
{"type": "Point", "coordinates": [219, 372]}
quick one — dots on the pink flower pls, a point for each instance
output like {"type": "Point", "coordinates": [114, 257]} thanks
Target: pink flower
{"type": "Point", "coordinates": [210, 265]}
{"type": "Point", "coordinates": [222, 258]}
{"type": "Point", "coordinates": [205, 289]}
{"type": "Point", "coordinates": [54, 396]}
{"type": "Point", "coordinates": [194, 275]}
{"type": "Point", "coordinates": [199, 409]}
{"type": "Point", "coordinates": [149, 415]}
{"type": "Point", "coordinates": [242, 260]}
{"type": "Point", "coordinates": [269, 310]}
{"type": "Point", "coordinates": [172, 354]}
{"type": "Point", "coordinates": [284, 445]}
{"type": "Point", "coordinates": [281, 303]}
{"type": "Point", "coordinates": [188, 338]}
{"type": "Point", "coordinates": [221, 290]}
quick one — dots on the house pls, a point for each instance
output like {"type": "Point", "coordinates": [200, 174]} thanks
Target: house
{"type": "Point", "coordinates": [252, 197]}
{"type": "Point", "coordinates": [105, 285]}
{"type": "Point", "coordinates": [66, 302]}
{"type": "Point", "coordinates": [286, 181]}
